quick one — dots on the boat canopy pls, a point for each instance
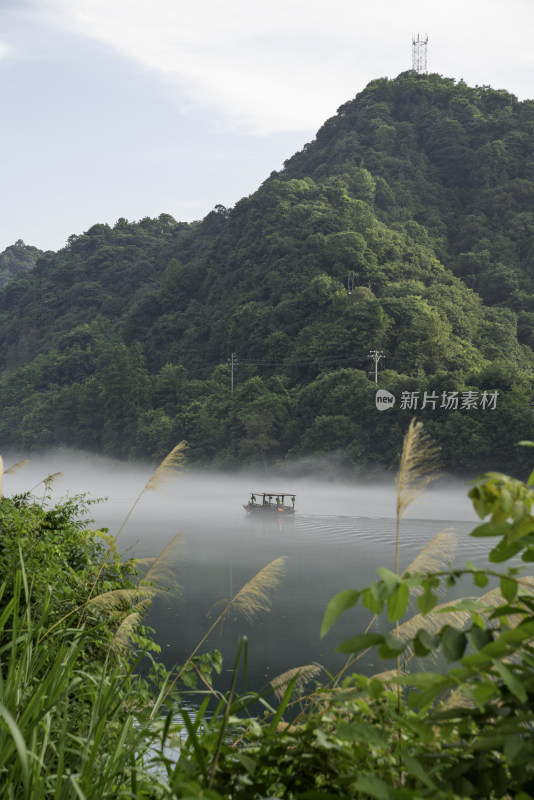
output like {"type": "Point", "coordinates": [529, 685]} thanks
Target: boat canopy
{"type": "Point", "coordinates": [273, 494]}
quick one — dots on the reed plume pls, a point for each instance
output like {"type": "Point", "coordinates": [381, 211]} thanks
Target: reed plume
{"type": "Point", "coordinates": [160, 571]}
{"type": "Point", "coordinates": [433, 557]}
{"type": "Point", "coordinates": [253, 597]}
{"type": "Point", "coordinates": [303, 675]}
{"type": "Point", "coordinates": [418, 467]}
{"type": "Point", "coordinates": [121, 599]}
{"type": "Point", "coordinates": [250, 599]}
{"type": "Point", "coordinates": [14, 468]}
{"type": "Point", "coordinates": [137, 599]}
{"type": "Point", "coordinates": [122, 637]}
{"type": "Point", "coordinates": [48, 481]}
{"type": "Point", "coordinates": [170, 465]}
{"type": "Point", "coordinates": [433, 622]}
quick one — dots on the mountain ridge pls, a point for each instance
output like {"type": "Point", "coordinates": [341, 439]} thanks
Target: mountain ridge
{"type": "Point", "coordinates": [418, 191]}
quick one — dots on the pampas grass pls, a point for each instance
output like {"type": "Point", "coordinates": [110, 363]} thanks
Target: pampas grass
{"type": "Point", "coordinates": [170, 465]}
{"type": "Point", "coordinates": [122, 637]}
{"type": "Point", "coordinates": [302, 674]}
{"type": "Point", "coordinates": [14, 468]}
{"type": "Point", "coordinates": [254, 597]}
{"type": "Point", "coordinates": [251, 599]}
{"type": "Point", "coordinates": [161, 569]}
{"type": "Point", "coordinates": [418, 467]}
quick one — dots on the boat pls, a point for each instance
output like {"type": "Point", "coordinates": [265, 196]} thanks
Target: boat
{"type": "Point", "coordinates": [271, 503]}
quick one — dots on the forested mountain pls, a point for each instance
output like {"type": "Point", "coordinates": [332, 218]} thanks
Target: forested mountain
{"type": "Point", "coordinates": [406, 227]}
{"type": "Point", "coordinates": [17, 258]}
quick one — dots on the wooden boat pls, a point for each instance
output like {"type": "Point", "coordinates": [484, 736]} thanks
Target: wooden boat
{"type": "Point", "coordinates": [271, 503]}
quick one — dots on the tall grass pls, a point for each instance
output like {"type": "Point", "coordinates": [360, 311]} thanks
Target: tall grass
{"type": "Point", "coordinates": [65, 728]}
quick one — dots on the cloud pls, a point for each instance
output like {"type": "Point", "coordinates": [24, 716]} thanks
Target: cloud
{"type": "Point", "coordinates": [5, 51]}
{"type": "Point", "coordinates": [286, 65]}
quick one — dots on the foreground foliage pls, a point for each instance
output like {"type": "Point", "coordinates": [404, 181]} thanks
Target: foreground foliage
{"type": "Point", "coordinates": [78, 720]}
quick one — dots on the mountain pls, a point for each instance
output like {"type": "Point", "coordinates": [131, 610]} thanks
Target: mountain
{"type": "Point", "coordinates": [404, 229]}
{"type": "Point", "coordinates": [17, 258]}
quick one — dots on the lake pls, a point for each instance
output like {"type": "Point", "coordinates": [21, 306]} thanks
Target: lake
{"type": "Point", "coordinates": [342, 531]}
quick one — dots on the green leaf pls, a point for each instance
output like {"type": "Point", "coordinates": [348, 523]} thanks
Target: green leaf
{"type": "Point", "coordinates": [416, 769]}
{"type": "Point", "coordinates": [491, 529]}
{"type": "Point", "coordinates": [390, 579]}
{"type": "Point", "coordinates": [371, 602]}
{"type": "Point", "coordinates": [484, 691]}
{"type": "Point", "coordinates": [376, 688]}
{"type": "Point", "coordinates": [360, 642]}
{"type": "Point", "coordinates": [398, 602]}
{"type": "Point", "coordinates": [339, 603]}
{"type": "Point", "coordinates": [504, 551]}
{"type": "Point", "coordinates": [391, 647]}
{"type": "Point", "coordinates": [478, 660]}
{"type": "Point", "coordinates": [374, 787]}
{"type": "Point", "coordinates": [362, 732]}
{"type": "Point", "coordinates": [424, 642]}
{"type": "Point", "coordinates": [480, 579]}
{"type": "Point", "coordinates": [508, 588]}
{"type": "Point", "coordinates": [521, 529]}
{"type": "Point", "coordinates": [453, 643]}
{"type": "Point", "coordinates": [480, 638]}
{"type": "Point", "coordinates": [511, 681]}
{"type": "Point", "coordinates": [427, 600]}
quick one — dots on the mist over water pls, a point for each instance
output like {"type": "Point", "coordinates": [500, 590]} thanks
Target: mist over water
{"type": "Point", "coordinates": [342, 531]}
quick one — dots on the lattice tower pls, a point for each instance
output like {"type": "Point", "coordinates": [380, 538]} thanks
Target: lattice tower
{"type": "Point", "coordinates": [419, 48]}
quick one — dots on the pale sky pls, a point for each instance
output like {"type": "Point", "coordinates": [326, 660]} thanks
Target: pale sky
{"type": "Point", "coordinates": [133, 108]}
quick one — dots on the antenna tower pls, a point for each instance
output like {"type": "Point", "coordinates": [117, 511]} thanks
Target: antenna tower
{"type": "Point", "coordinates": [419, 48]}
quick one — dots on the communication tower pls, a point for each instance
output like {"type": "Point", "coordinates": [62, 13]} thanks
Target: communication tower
{"type": "Point", "coordinates": [419, 48]}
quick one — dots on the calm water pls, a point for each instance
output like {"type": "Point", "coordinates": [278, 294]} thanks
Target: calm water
{"type": "Point", "coordinates": [341, 533]}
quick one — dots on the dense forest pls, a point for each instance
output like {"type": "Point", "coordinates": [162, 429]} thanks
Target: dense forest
{"type": "Point", "coordinates": [17, 258]}
{"type": "Point", "coordinates": [406, 227]}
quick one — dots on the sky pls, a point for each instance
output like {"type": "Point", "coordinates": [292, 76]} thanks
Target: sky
{"type": "Point", "coordinates": [134, 108]}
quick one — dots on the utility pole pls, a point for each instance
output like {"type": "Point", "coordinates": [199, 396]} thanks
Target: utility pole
{"type": "Point", "coordinates": [376, 355]}
{"type": "Point", "coordinates": [232, 362]}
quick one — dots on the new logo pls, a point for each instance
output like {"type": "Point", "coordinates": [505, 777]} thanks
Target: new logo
{"type": "Point", "coordinates": [384, 400]}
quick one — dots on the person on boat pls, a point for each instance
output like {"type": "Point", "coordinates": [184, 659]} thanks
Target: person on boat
{"type": "Point", "coordinates": [293, 501]}
{"type": "Point", "coordinates": [253, 499]}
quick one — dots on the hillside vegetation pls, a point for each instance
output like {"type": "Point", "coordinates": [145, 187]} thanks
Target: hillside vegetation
{"type": "Point", "coordinates": [419, 192]}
